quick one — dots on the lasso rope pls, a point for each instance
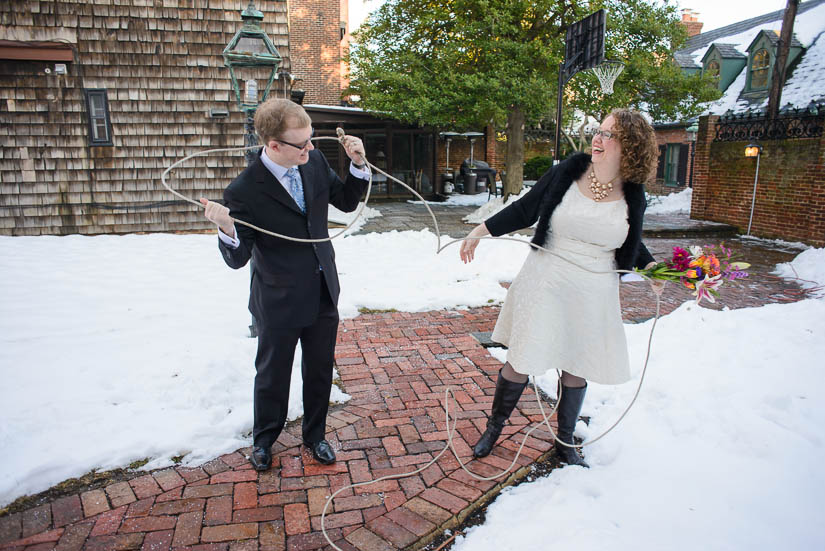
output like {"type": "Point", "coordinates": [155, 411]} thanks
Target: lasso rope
{"type": "Point", "coordinates": [450, 430]}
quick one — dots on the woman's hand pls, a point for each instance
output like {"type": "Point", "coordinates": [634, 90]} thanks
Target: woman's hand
{"type": "Point", "coordinates": [657, 285]}
{"type": "Point", "coordinates": [468, 246]}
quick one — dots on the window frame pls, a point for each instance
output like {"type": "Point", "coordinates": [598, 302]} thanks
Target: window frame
{"type": "Point", "coordinates": [671, 172]}
{"type": "Point", "coordinates": [94, 120]}
{"type": "Point", "coordinates": [766, 68]}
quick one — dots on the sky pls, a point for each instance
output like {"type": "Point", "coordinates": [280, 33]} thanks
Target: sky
{"type": "Point", "coordinates": [713, 13]}
{"type": "Point", "coordinates": [119, 348]}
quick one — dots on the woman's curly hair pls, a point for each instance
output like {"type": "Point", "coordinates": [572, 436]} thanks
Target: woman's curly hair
{"type": "Point", "coordinates": [640, 153]}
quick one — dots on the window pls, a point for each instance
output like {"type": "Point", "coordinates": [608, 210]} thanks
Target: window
{"type": "Point", "coordinates": [100, 126]}
{"type": "Point", "coordinates": [675, 166]}
{"type": "Point", "coordinates": [759, 69]}
{"type": "Point", "coordinates": [713, 70]}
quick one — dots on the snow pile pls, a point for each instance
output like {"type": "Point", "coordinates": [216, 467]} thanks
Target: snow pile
{"type": "Point", "coordinates": [344, 218]}
{"type": "Point", "coordinates": [492, 207]}
{"type": "Point", "coordinates": [673, 203]}
{"type": "Point", "coordinates": [808, 269]}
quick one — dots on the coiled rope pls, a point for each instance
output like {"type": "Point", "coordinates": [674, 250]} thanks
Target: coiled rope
{"type": "Point", "coordinates": [448, 392]}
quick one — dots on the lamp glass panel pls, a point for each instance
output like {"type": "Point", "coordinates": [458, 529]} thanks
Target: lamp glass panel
{"type": "Point", "coordinates": [250, 45]}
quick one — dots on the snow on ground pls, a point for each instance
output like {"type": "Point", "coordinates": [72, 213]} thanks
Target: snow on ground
{"type": "Point", "coordinates": [460, 200]}
{"type": "Point", "coordinates": [493, 206]}
{"type": "Point", "coordinates": [673, 203]}
{"type": "Point", "coordinates": [665, 204]}
{"type": "Point", "coordinates": [808, 269]}
{"type": "Point", "coordinates": [118, 348]}
{"type": "Point", "coordinates": [722, 450]}
{"type": "Point", "coordinates": [359, 215]}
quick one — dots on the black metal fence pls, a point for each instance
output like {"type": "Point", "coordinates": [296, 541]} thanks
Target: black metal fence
{"type": "Point", "coordinates": [753, 125]}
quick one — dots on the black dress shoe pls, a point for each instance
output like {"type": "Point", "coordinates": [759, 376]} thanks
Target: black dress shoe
{"type": "Point", "coordinates": [261, 458]}
{"type": "Point", "coordinates": [322, 452]}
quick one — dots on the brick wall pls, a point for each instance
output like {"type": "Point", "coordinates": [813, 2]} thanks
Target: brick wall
{"type": "Point", "coordinates": [790, 198]}
{"type": "Point", "coordinates": [665, 136]}
{"type": "Point", "coordinates": [316, 48]}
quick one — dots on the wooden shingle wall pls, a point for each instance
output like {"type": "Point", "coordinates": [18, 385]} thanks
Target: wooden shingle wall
{"type": "Point", "coordinates": [160, 62]}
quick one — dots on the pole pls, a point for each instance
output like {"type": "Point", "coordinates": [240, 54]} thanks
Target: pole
{"type": "Point", "coordinates": [250, 139]}
{"type": "Point", "coordinates": [556, 152]}
{"type": "Point", "coordinates": [753, 199]}
{"type": "Point", "coordinates": [778, 76]}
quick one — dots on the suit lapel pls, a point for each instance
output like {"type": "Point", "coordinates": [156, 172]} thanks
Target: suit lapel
{"type": "Point", "coordinates": [270, 186]}
{"type": "Point", "coordinates": [307, 173]}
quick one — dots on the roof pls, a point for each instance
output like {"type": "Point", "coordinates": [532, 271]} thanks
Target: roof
{"type": "Point", "coordinates": [706, 39]}
{"type": "Point", "coordinates": [727, 50]}
{"type": "Point", "coordinates": [773, 37]}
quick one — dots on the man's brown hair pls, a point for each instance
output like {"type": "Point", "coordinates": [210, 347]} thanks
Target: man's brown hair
{"type": "Point", "coordinates": [276, 115]}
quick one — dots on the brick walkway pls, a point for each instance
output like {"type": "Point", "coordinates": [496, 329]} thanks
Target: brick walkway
{"type": "Point", "coordinates": [396, 367]}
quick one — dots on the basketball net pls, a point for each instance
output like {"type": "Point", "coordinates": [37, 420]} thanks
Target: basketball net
{"type": "Point", "coordinates": [607, 73]}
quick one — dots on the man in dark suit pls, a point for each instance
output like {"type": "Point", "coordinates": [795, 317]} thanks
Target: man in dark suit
{"type": "Point", "coordinates": [294, 288]}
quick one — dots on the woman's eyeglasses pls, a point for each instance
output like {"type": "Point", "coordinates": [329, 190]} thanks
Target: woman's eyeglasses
{"type": "Point", "coordinates": [606, 134]}
{"type": "Point", "coordinates": [303, 147]}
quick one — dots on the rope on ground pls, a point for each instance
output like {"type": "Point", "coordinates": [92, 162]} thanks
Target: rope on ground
{"type": "Point", "coordinates": [448, 391]}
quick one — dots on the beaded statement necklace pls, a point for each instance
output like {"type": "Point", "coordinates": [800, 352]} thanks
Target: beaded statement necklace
{"type": "Point", "coordinates": [598, 189]}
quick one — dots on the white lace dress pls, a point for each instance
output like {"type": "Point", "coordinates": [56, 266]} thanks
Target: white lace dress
{"type": "Point", "coordinates": [558, 316]}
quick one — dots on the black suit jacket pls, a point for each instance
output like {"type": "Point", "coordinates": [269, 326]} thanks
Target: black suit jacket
{"type": "Point", "coordinates": [540, 202]}
{"type": "Point", "coordinates": [286, 280]}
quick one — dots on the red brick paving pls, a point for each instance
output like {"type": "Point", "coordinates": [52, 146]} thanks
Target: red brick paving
{"type": "Point", "coordinates": [396, 367]}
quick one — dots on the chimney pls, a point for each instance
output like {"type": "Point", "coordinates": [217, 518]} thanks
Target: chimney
{"type": "Point", "coordinates": [690, 19]}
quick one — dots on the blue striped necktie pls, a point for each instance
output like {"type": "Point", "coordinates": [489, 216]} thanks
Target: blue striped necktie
{"type": "Point", "coordinates": [296, 189]}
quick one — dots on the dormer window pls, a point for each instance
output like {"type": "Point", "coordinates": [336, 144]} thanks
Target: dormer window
{"type": "Point", "coordinates": [760, 66]}
{"type": "Point", "coordinates": [714, 70]}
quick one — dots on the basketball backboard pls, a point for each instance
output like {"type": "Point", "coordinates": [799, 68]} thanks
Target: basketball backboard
{"type": "Point", "coordinates": [584, 46]}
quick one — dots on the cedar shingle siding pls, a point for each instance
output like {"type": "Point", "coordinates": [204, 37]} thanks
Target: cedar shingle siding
{"type": "Point", "coordinates": [159, 63]}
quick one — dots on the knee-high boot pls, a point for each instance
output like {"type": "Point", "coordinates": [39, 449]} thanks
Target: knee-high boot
{"type": "Point", "coordinates": [570, 405]}
{"type": "Point", "coordinates": [504, 401]}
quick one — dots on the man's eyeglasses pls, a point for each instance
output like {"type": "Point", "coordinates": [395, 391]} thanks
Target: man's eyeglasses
{"type": "Point", "coordinates": [302, 147]}
{"type": "Point", "coordinates": [606, 134]}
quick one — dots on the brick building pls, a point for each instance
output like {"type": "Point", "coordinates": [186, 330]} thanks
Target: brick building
{"type": "Point", "coordinates": [786, 200]}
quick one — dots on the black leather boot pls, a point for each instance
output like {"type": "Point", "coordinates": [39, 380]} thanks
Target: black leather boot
{"type": "Point", "coordinates": [570, 406]}
{"type": "Point", "coordinates": [504, 401]}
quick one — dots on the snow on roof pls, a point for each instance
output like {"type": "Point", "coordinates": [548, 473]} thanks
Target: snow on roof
{"type": "Point", "coordinates": [806, 82]}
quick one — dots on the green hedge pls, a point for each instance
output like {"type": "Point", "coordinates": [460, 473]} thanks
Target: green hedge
{"type": "Point", "coordinates": [537, 166]}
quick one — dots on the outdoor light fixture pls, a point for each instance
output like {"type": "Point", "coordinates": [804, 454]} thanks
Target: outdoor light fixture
{"type": "Point", "coordinates": [753, 150]}
{"type": "Point", "coordinates": [247, 53]}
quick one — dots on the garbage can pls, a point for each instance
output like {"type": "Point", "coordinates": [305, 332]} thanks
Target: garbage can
{"type": "Point", "coordinates": [484, 175]}
{"type": "Point", "coordinates": [470, 183]}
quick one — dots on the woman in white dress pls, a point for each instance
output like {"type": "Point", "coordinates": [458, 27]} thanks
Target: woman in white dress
{"type": "Point", "coordinates": [558, 314]}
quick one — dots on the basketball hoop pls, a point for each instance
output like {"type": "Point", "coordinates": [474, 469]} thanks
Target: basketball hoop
{"type": "Point", "coordinates": [607, 73]}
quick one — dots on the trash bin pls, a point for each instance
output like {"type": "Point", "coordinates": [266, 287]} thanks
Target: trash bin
{"type": "Point", "coordinates": [484, 175]}
{"type": "Point", "coordinates": [470, 183]}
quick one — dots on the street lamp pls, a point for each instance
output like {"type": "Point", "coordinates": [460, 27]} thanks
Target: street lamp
{"type": "Point", "coordinates": [447, 177]}
{"type": "Point", "coordinates": [248, 55]}
{"type": "Point", "coordinates": [753, 150]}
{"type": "Point", "coordinates": [691, 132]}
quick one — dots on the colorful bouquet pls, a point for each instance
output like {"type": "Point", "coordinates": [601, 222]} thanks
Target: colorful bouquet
{"type": "Point", "coordinates": [702, 269]}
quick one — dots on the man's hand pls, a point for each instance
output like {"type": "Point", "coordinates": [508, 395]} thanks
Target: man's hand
{"type": "Point", "coordinates": [219, 215]}
{"type": "Point", "coordinates": [355, 150]}
{"type": "Point", "coordinates": [468, 246]}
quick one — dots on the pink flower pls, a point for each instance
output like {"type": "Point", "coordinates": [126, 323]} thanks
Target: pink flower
{"type": "Point", "coordinates": [707, 288]}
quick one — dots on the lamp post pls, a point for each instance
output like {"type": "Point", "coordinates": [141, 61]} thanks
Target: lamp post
{"type": "Point", "coordinates": [249, 55]}
{"type": "Point", "coordinates": [691, 132]}
{"type": "Point", "coordinates": [753, 150]}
